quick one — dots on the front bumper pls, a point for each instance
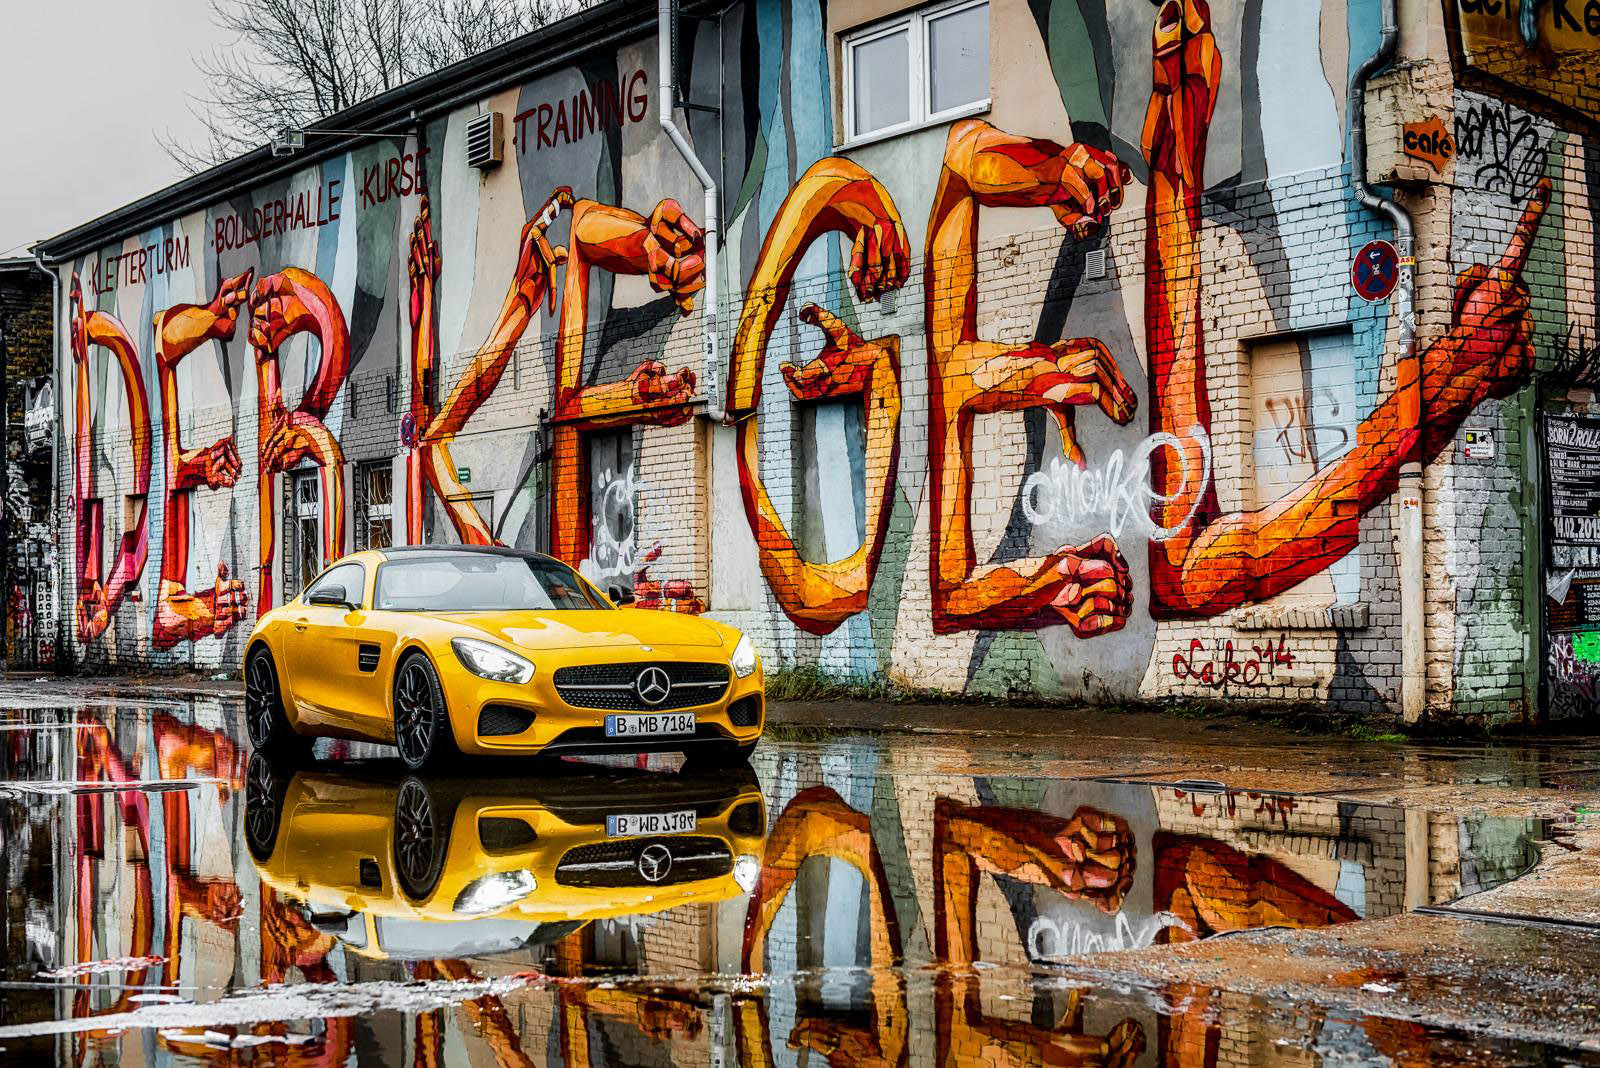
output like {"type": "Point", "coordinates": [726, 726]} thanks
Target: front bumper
{"type": "Point", "coordinates": [558, 726]}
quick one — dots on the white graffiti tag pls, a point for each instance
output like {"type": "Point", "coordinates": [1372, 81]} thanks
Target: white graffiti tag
{"type": "Point", "coordinates": [1049, 938]}
{"type": "Point", "coordinates": [614, 551]}
{"type": "Point", "coordinates": [1117, 492]}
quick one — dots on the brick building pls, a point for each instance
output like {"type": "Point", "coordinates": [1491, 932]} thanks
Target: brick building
{"type": "Point", "coordinates": [1042, 359]}
{"type": "Point", "coordinates": [25, 317]}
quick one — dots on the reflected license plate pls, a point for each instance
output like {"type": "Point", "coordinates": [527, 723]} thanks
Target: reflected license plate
{"type": "Point", "coordinates": [632, 825]}
{"type": "Point", "coordinates": [649, 723]}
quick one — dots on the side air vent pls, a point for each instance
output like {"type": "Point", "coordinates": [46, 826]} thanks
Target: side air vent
{"type": "Point", "coordinates": [367, 657]}
{"type": "Point", "coordinates": [745, 712]}
{"type": "Point", "coordinates": [499, 721]}
{"type": "Point", "coordinates": [748, 818]}
{"type": "Point", "coordinates": [505, 834]}
{"type": "Point", "coordinates": [485, 141]}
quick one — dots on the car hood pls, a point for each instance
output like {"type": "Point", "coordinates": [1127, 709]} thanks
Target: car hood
{"type": "Point", "coordinates": [586, 630]}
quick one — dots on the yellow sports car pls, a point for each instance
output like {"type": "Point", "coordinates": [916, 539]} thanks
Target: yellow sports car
{"type": "Point", "coordinates": [442, 650]}
{"type": "Point", "coordinates": [403, 866]}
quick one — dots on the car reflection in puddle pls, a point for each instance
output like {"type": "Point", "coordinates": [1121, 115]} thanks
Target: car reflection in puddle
{"type": "Point", "coordinates": [403, 867]}
{"type": "Point", "coordinates": [853, 901]}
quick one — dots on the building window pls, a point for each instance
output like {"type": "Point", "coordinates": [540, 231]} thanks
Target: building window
{"type": "Point", "coordinates": [307, 527]}
{"type": "Point", "coordinates": [921, 68]}
{"type": "Point", "coordinates": [1305, 412]}
{"type": "Point", "coordinates": [612, 947]}
{"type": "Point", "coordinates": [376, 529]}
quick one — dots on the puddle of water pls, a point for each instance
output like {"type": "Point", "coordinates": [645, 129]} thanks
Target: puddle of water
{"type": "Point", "coordinates": [833, 902]}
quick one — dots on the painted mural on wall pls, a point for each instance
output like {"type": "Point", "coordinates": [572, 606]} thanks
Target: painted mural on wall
{"type": "Point", "coordinates": [954, 456]}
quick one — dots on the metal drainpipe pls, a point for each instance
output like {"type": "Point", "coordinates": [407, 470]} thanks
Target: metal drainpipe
{"type": "Point", "coordinates": [666, 61]}
{"type": "Point", "coordinates": [59, 381]}
{"type": "Point", "coordinates": [1413, 601]}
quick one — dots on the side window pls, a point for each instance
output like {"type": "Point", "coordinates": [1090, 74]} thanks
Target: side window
{"type": "Point", "coordinates": [353, 577]}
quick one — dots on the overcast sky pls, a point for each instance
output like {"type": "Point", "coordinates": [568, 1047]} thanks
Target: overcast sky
{"type": "Point", "coordinates": [85, 87]}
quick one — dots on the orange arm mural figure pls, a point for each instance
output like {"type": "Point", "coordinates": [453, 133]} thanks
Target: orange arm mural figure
{"type": "Point", "coordinates": [1086, 587]}
{"type": "Point", "coordinates": [99, 761]}
{"type": "Point", "coordinates": [290, 302]}
{"type": "Point", "coordinates": [818, 823]}
{"type": "Point", "coordinates": [429, 460]}
{"type": "Point", "coordinates": [181, 615]}
{"type": "Point", "coordinates": [1213, 887]}
{"type": "Point", "coordinates": [97, 599]}
{"type": "Point", "coordinates": [1089, 857]}
{"type": "Point", "coordinates": [669, 249]}
{"type": "Point", "coordinates": [487, 1017]}
{"type": "Point", "coordinates": [833, 195]}
{"type": "Point", "coordinates": [1218, 562]}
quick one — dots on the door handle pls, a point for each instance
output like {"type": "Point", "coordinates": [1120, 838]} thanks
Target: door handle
{"type": "Point", "coordinates": [301, 624]}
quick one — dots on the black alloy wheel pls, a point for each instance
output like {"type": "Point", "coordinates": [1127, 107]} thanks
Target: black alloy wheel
{"type": "Point", "coordinates": [421, 837]}
{"type": "Point", "coordinates": [264, 786]}
{"type": "Point", "coordinates": [264, 717]}
{"type": "Point", "coordinates": [421, 723]}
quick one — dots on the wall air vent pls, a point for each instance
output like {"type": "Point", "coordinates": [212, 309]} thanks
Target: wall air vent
{"type": "Point", "coordinates": [485, 140]}
{"type": "Point", "coordinates": [1094, 263]}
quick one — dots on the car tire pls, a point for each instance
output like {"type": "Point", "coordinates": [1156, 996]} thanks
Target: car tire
{"type": "Point", "coordinates": [264, 717]}
{"type": "Point", "coordinates": [421, 721]}
{"type": "Point", "coordinates": [265, 783]}
{"type": "Point", "coordinates": [721, 755]}
{"type": "Point", "coordinates": [421, 837]}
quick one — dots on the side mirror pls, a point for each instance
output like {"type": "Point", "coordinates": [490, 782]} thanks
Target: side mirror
{"type": "Point", "coordinates": [330, 597]}
{"type": "Point", "coordinates": [621, 596]}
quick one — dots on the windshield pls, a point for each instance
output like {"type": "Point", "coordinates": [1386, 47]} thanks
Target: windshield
{"type": "Point", "coordinates": [480, 583]}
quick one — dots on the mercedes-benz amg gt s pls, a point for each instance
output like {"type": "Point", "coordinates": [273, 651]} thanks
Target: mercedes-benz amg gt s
{"type": "Point", "coordinates": [428, 867]}
{"type": "Point", "coordinates": [442, 650]}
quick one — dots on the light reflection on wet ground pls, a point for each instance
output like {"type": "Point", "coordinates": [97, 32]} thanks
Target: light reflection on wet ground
{"type": "Point", "coordinates": [842, 901]}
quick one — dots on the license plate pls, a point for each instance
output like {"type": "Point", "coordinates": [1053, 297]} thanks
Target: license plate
{"type": "Point", "coordinates": [650, 723]}
{"type": "Point", "coordinates": [632, 825]}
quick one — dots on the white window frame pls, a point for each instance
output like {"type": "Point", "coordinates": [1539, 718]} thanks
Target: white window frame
{"type": "Point", "coordinates": [916, 23]}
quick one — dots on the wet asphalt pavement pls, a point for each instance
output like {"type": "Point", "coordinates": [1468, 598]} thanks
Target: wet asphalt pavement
{"type": "Point", "coordinates": [850, 898]}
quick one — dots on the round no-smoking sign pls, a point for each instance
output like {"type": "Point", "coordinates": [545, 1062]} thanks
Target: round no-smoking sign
{"type": "Point", "coordinates": [1375, 271]}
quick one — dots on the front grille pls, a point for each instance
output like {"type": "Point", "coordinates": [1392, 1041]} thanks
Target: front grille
{"type": "Point", "coordinates": [611, 686]}
{"type": "Point", "coordinates": [501, 720]}
{"type": "Point", "coordinates": [745, 712]}
{"type": "Point", "coordinates": [611, 864]}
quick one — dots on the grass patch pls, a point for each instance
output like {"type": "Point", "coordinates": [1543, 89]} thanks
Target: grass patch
{"type": "Point", "coordinates": [810, 683]}
{"type": "Point", "coordinates": [1363, 732]}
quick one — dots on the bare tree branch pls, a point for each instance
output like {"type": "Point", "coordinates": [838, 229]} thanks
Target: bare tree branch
{"type": "Point", "coordinates": [293, 62]}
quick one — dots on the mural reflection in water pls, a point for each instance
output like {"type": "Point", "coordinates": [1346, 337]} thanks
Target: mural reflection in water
{"type": "Point", "coordinates": [851, 903]}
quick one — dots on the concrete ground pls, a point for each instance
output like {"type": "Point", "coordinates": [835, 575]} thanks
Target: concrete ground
{"type": "Point", "coordinates": [1469, 874]}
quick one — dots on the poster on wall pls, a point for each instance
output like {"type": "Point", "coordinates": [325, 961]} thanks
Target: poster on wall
{"type": "Point", "coordinates": [1572, 458]}
{"type": "Point", "coordinates": [1572, 577]}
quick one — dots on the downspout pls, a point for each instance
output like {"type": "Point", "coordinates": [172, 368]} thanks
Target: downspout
{"type": "Point", "coordinates": [1413, 600]}
{"type": "Point", "coordinates": [58, 377]}
{"type": "Point", "coordinates": [667, 64]}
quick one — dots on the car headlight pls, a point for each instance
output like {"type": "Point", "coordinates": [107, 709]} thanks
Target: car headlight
{"type": "Point", "coordinates": [489, 661]}
{"type": "Point", "coordinates": [745, 872]}
{"type": "Point", "coordinates": [492, 892]}
{"type": "Point", "coordinates": [744, 659]}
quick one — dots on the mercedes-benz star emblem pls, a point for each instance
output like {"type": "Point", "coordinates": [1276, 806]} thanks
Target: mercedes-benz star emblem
{"type": "Point", "coordinates": [653, 685]}
{"type": "Point", "coordinates": [655, 862]}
